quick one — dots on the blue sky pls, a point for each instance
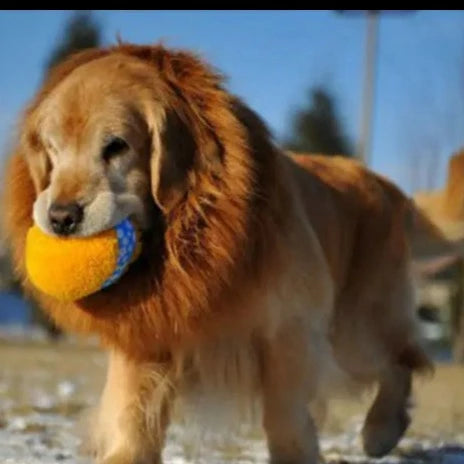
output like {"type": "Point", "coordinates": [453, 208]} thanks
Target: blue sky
{"type": "Point", "coordinates": [272, 58]}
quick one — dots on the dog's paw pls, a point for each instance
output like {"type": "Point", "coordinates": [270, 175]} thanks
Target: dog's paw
{"type": "Point", "coordinates": [119, 458]}
{"type": "Point", "coordinates": [381, 434]}
{"type": "Point", "coordinates": [125, 457]}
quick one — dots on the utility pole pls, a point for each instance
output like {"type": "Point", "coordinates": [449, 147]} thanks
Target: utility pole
{"type": "Point", "coordinates": [368, 92]}
{"type": "Point", "coordinates": [370, 61]}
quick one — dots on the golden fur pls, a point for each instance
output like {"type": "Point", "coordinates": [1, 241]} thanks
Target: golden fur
{"type": "Point", "coordinates": [261, 273]}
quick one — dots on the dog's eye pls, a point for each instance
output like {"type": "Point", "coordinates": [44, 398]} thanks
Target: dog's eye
{"type": "Point", "coordinates": [114, 146]}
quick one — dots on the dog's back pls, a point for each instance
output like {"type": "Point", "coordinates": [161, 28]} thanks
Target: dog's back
{"type": "Point", "coordinates": [357, 215]}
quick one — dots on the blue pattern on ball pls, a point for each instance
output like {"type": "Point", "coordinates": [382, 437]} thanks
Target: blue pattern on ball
{"type": "Point", "coordinates": [126, 235]}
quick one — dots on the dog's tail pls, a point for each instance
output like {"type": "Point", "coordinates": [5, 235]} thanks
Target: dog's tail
{"type": "Point", "coordinates": [436, 219]}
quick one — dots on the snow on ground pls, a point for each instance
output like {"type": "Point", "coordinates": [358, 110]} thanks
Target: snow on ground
{"type": "Point", "coordinates": [45, 388]}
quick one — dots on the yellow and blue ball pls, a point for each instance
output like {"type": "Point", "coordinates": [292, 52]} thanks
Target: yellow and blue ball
{"type": "Point", "coordinates": [70, 268]}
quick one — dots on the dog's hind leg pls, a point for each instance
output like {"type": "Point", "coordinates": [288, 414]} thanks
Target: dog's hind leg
{"type": "Point", "coordinates": [388, 417]}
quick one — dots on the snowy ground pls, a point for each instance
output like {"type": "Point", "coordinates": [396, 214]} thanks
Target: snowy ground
{"type": "Point", "coordinates": [44, 389]}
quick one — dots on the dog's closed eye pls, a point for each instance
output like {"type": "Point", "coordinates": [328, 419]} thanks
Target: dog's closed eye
{"type": "Point", "coordinates": [113, 147]}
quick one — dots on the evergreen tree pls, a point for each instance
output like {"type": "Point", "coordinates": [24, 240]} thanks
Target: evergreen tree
{"type": "Point", "coordinates": [80, 32]}
{"type": "Point", "coordinates": [316, 127]}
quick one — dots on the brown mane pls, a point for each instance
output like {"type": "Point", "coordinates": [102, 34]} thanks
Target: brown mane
{"type": "Point", "coordinates": [213, 238]}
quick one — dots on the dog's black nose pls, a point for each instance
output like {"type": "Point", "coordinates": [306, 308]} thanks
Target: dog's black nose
{"type": "Point", "coordinates": [64, 219]}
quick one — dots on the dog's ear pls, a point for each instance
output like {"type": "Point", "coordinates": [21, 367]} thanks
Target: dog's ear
{"type": "Point", "coordinates": [184, 143]}
{"type": "Point", "coordinates": [172, 158]}
{"type": "Point", "coordinates": [17, 200]}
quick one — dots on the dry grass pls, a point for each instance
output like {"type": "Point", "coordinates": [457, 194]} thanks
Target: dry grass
{"type": "Point", "coordinates": [60, 380]}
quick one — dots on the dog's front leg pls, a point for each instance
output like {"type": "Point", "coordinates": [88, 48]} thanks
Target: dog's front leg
{"type": "Point", "coordinates": [288, 385]}
{"type": "Point", "coordinates": [134, 412]}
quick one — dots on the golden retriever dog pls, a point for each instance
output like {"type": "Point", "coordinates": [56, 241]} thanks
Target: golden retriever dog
{"type": "Point", "coordinates": [265, 276]}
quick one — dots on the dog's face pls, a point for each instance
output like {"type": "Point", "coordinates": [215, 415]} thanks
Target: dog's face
{"type": "Point", "coordinates": [101, 148]}
{"type": "Point", "coordinates": [149, 133]}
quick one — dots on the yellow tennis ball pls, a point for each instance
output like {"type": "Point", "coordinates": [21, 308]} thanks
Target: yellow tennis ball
{"type": "Point", "coordinates": [70, 268]}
